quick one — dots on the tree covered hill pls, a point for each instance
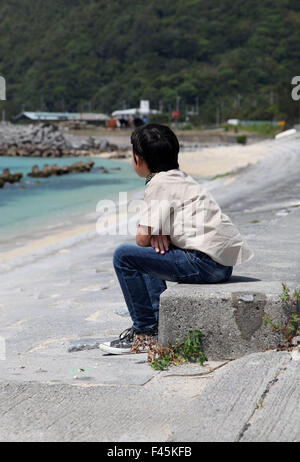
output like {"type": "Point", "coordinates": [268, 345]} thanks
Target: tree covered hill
{"type": "Point", "coordinates": [234, 57]}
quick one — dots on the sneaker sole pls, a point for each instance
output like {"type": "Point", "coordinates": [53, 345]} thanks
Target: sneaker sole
{"type": "Point", "coordinates": [113, 350]}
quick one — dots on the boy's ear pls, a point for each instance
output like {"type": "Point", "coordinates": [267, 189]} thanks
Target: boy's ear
{"type": "Point", "coordinates": [137, 159]}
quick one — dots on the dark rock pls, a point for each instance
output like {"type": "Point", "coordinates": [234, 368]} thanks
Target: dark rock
{"type": "Point", "coordinates": [103, 169]}
{"type": "Point", "coordinates": [113, 147]}
{"type": "Point", "coordinates": [47, 140]}
{"type": "Point", "coordinates": [7, 177]}
{"type": "Point", "coordinates": [22, 152]}
{"type": "Point", "coordinates": [35, 172]}
{"type": "Point", "coordinates": [102, 145]}
{"type": "Point", "coordinates": [65, 169]}
{"type": "Point", "coordinates": [48, 170]}
{"type": "Point", "coordinates": [119, 155]}
{"type": "Point", "coordinates": [15, 177]}
{"type": "Point", "coordinates": [5, 173]}
{"type": "Point", "coordinates": [12, 151]}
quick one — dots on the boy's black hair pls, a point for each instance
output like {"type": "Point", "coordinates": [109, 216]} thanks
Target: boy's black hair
{"type": "Point", "coordinates": [157, 145]}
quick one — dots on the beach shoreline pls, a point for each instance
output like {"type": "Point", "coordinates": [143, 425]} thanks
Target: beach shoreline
{"type": "Point", "coordinates": [60, 238]}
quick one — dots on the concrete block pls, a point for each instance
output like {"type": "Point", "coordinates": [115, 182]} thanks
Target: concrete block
{"type": "Point", "coordinates": [231, 320]}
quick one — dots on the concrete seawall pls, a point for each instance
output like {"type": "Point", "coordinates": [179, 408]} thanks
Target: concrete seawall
{"type": "Point", "coordinates": [229, 316]}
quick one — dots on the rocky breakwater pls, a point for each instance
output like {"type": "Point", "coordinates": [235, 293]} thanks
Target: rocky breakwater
{"type": "Point", "coordinates": [47, 140]}
{"type": "Point", "coordinates": [7, 177]}
{"type": "Point", "coordinates": [49, 170]}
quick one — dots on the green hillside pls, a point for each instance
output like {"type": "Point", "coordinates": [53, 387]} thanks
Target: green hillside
{"type": "Point", "coordinates": [236, 59]}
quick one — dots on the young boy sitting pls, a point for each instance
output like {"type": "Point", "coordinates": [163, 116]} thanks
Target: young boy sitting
{"type": "Point", "coordinates": [182, 235]}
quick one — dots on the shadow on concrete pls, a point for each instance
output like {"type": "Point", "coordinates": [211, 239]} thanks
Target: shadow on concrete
{"type": "Point", "coordinates": [236, 278]}
{"type": "Point", "coordinates": [232, 280]}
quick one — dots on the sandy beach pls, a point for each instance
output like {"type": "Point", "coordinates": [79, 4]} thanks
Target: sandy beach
{"type": "Point", "coordinates": [219, 160]}
{"type": "Point", "coordinates": [215, 160]}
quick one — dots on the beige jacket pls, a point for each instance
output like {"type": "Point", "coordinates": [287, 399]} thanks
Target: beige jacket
{"type": "Point", "coordinates": [176, 205]}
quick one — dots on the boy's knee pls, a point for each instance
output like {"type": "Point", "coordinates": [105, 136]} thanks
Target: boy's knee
{"type": "Point", "coordinates": [121, 252]}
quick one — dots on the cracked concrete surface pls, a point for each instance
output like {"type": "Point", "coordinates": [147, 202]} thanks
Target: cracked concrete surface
{"type": "Point", "coordinates": [255, 398]}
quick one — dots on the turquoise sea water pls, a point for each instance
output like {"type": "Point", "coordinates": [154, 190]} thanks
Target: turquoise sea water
{"type": "Point", "coordinates": [47, 203]}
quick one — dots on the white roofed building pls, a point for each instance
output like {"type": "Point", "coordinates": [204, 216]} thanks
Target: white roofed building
{"type": "Point", "coordinates": [143, 110]}
{"type": "Point", "coordinates": [56, 116]}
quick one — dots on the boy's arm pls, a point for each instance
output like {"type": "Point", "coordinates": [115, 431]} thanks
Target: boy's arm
{"type": "Point", "coordinates": [153, 213]}
{"type": "Point", "coordinates": [144, 238]}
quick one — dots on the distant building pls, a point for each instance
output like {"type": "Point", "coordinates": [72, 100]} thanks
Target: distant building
{"type": "Point", "coordinates": [143, 111]}
{"type": "Point", "coordinates": [92, 117]}
{"type": "Point", "coordinates": [233, 121]}
{"type": "Point", "coordinates": [254, 122]}
{"type": "Point", "coordinates": [61, 116]}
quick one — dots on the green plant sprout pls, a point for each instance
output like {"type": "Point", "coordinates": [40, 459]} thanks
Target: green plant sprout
{"type": "Point", "coordinates": [292, 326]}
{"type": "Point", "coordinates": [189, 350]}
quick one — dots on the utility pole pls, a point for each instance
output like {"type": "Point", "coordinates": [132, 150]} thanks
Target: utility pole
{"type": "Point", "coordinates": [238, 101]}
{"type": "Point", "coordinates": [197, 105]}
{"type": "Point", "coordinates": [221, 111]}
{"type": "Point", "coordinates": [177, 109]}
{"type": "Point", "coordinates": [42, 104]}
{"type": "Point", "coordinates": [217, 116]}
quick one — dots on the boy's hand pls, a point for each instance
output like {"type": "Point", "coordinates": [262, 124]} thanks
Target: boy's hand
{"type": "Point", "coordinates": [143, 236]}
{"type": "Point", "coordinates": [160, 243]}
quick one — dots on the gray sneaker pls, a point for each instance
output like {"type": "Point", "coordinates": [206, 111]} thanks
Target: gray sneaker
{"type": "Point", "coordinates": [123, 344]}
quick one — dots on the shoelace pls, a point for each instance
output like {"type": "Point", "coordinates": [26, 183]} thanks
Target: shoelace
{"type": "Point", "coordinates": [130, 333]}
{"type": "Point", "coordinates": [127, 334]}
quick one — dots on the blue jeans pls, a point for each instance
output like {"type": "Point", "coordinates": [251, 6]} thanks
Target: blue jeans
{"type": "Point", "coordinates": [142, 274]}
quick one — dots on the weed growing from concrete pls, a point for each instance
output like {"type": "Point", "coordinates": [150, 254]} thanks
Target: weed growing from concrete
{"type": "Point", "coordinates": [189, 350]}
{"type": "Point", "coordinates": [292, 326]}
